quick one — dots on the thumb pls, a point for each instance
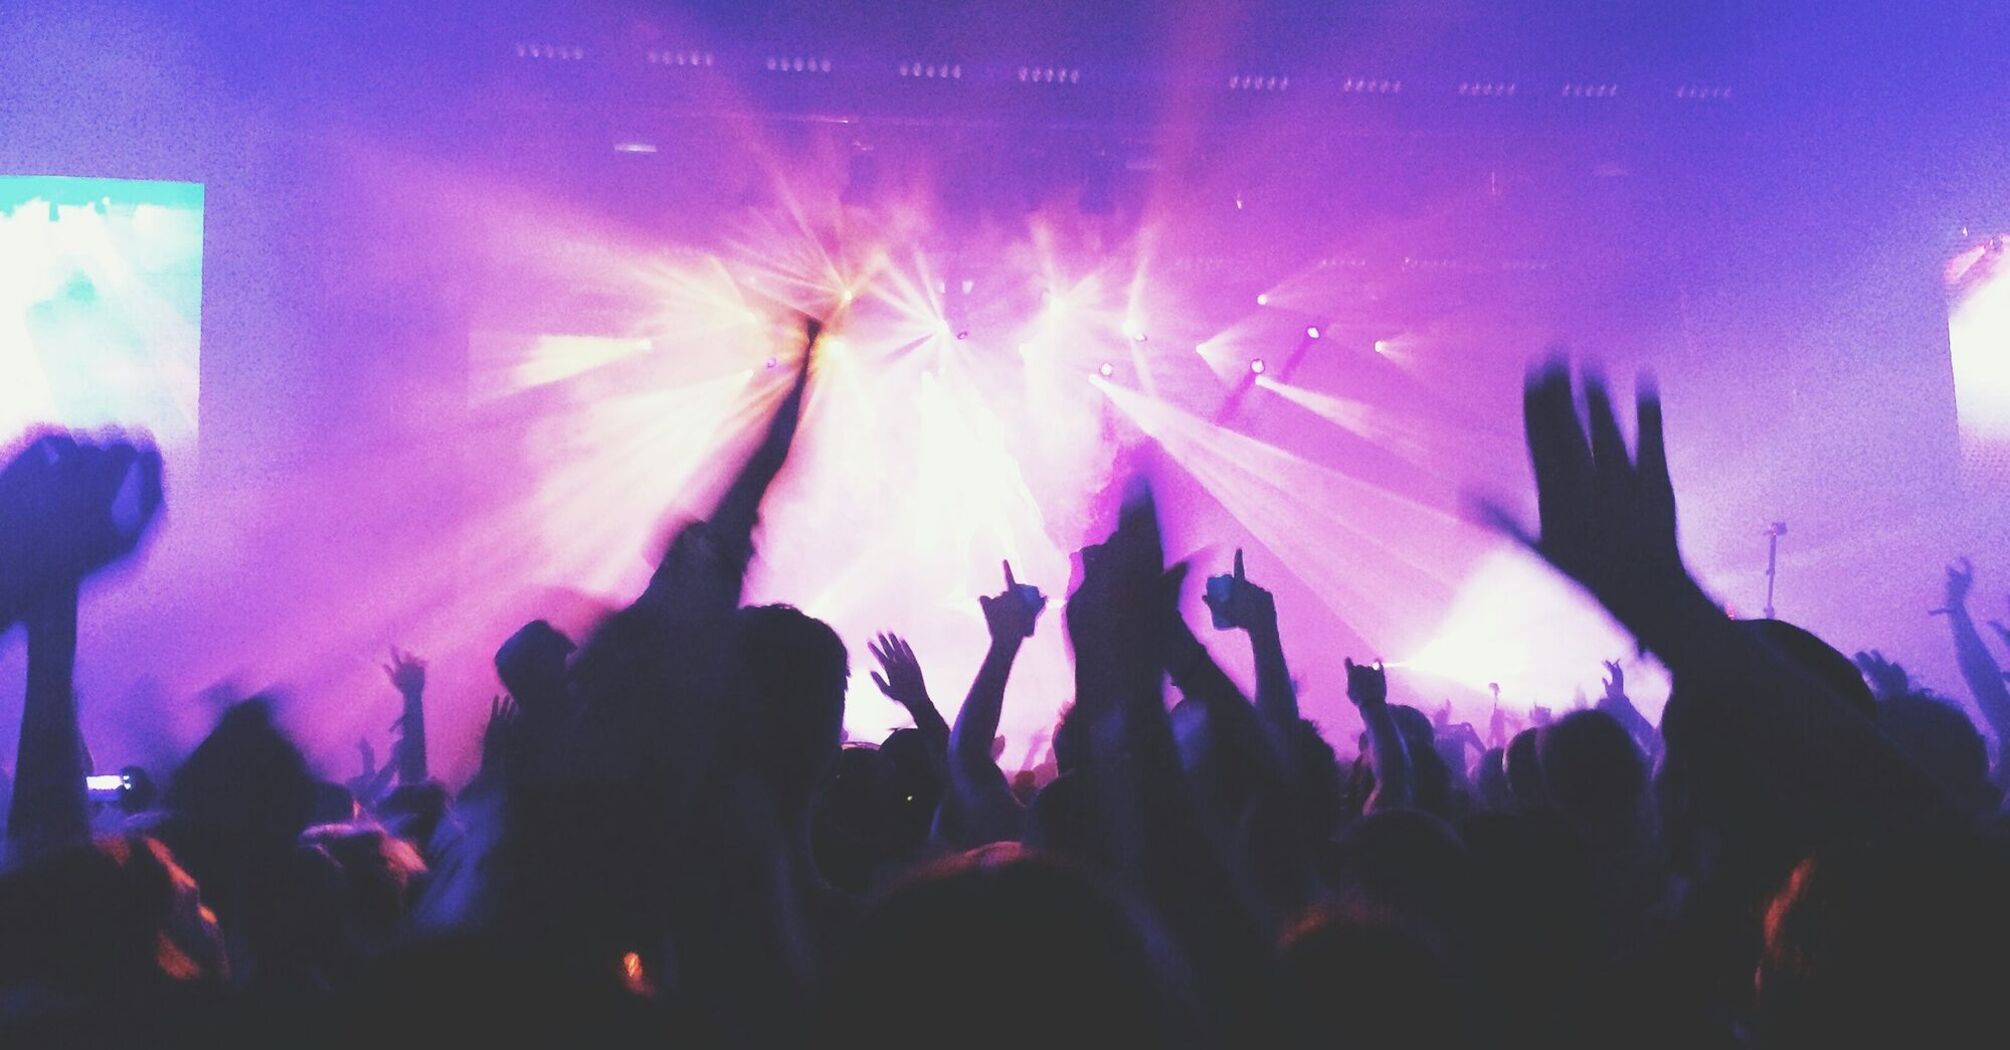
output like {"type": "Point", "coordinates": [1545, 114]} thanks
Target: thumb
{"type": "Point", "coordinates": [1238, 565]}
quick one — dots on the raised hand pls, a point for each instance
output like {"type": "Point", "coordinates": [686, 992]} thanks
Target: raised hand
{"type": "Point", "coordinates": [1367, 686]}
{"type": "Point", "coordinates": [1960, 577]}
{"type": "Point", "coordinates": [1615, 681]}
{"type": "Point", "coordinates": [406, 672]}
{"type": "Point", "coordinates": [496, 734]}
{"type": "Point", "coordinates": [1540, 715]}
{"type": "Point", "coordinates": [69, 509]}
{"type": "Point", "coordinates": [1887, 678]}
{"type": "Point", "coordinates": [1237, 603]}
{"type": "Point", "coordinates": [1607, 518]}
{"type": "Point", "coordinates": [902, 682]}
{"type": "Point", "coordinates": [1012, 614]}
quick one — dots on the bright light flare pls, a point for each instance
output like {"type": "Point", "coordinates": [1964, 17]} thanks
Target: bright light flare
{"type": "Point", "coordinates": [1375, 586]}
{"type": "Point", "coordinates": [1978, 331]}
{"type": "Point", "coordinates": [1515, 622]}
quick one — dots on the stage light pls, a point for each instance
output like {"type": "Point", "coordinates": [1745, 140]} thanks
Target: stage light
{"type": "Point", "coordinates": [1263, 299]}
{"type": "Point", "coordinates": [1257, 366]}
{"type": "Point", "coordinates": [962, 334]}
{"type": "Point", "coordinates": [772, 362]}
{"type": "Point", "coordinates": [1105, 369]}
{"type": "Point", "coordinates": [1381, 346]}
{"type": "Point", "coordinates": [846, 297]}
{"type": "Point", "coordinates": [634, 147]}
{"type": "Point", "coordinates": [969, 286]}
{"type": "Point", "coordinates": [1312, 332]}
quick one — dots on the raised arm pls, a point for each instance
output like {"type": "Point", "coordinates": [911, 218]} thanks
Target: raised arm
{"type": "Point", "coordinates": [1978, 667]}
{"type": "Point", "coordinates": [407, 674]}
{"type": "Point", "coordinates": [1368, 688]}
{"type": "Point", "coordinates": [1608, 523]}
{"type": "Point", "coordinates": [66, 511]}
{"type": "Point", "coordinates": [903, 684]}
{"type": "Point", "coordinates": [1241, 605]}
{"type": "Point", "coordinates": [738, 509]}
{"type": "Point", "coordinates": [49, 805]}
{"type": "Point", "coordinates": [1616, 703]}
{"type": "Point", "coordinates": [980, 803]}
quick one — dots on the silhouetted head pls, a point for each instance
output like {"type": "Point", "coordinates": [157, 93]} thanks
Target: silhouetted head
{"type": "Point", "coordinates": [1895, 944]}
{"type": "Point", "coordinates": [1491, 783]}
{"type": "Point", "coordinates": [1714, 791]}
{"type": "Point", "coordinates": [531, 665]}
{"type": "Point", "coordinates": [414, 811]}
{"type": "Point", "coordinates": [850, 824]}
{"type": "Point", "coordinates": [246, 782]}
{"type": "Point", "coordinates": [1591, 770]}
{"type": "Point", "coordinates": [1405, 865]}
{"type": "Point", "coordinates": [911, 789]}
{"type": "Point", "coordinates": [790, 671]}
{"type": "Point", "coordinates": [115, 917]}
{"type": "Point", "coordinates": [380, 877]}
{"type": "Point", "coordinates": [1367, 984]}
{"type": "Point", "coordinates": [1001, 947]}
{"type": "Point", "coordinates": [1524, 771]}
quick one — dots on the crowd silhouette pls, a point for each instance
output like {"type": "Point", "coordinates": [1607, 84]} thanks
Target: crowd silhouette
{"type": "Point", "coordinates": [668, 841]}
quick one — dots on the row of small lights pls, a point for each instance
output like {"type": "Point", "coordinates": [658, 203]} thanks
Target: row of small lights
{"type": "Point", "coordinates": [559, 52]}
{"type": "Point", "coordinates": [1049, 75]}
{"type": "Point", "coordinates": [1248, 83]}
{"type": "Point", "coordinates": [681, 58]}
{"type": "Point", "coordinates": [798, 64]}
{"type": "Point", "coordinates": [1064, 75]}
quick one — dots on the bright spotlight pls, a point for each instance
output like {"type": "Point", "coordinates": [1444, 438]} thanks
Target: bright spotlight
{"type": "Point", "coordinates": [1312, 332]}
{"type": "Point", "coordinates": [1133, 330]}
{"type": "Point", "coordinates": [845, 297]}
{"type": "Point", "coordinates": [1381, 346]}
{"type": "Point", "coordinates": [1105, 369]}
{"type": "Point", "coordinates": [1257, 366]}
{"type": "Point", "coordinates": [1263, 299]}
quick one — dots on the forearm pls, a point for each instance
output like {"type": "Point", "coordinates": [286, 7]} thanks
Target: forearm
{"type": "Point", "coordinates": [1980, 670]}
{"type": "Point", "coordinates": [983, 708]}
{"type": "Point", "coordinates": [980, 800]}
{"type": "Point", "coordinates": [1393, 780]}
{"type": "Point", "coordinates": [1276, 697]}
{"type": "Point", "coordinates": [412, 742]}
{"type": "Point", "coordinates": [50, 806]}
{"type": "Point", "coordinates": [738, 508]}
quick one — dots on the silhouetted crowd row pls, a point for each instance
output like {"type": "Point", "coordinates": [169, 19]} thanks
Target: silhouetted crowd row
{"type": "Point", "coordinates": [668, 843]}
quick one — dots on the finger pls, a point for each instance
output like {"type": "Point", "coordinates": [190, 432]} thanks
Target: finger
{"type": "Point", "coordinates": [1009, 581]}
{"type": "Point", "coordinates": [1238, 565]}
{"type": "Point", "coordinates": [1609, 461]}
{"type": "Point", "coordinates": [881, 683]}
{"type": "Point", "coordinates": [1651, 460]}
{"type": "Point", "coordinates": [1558, 449]}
